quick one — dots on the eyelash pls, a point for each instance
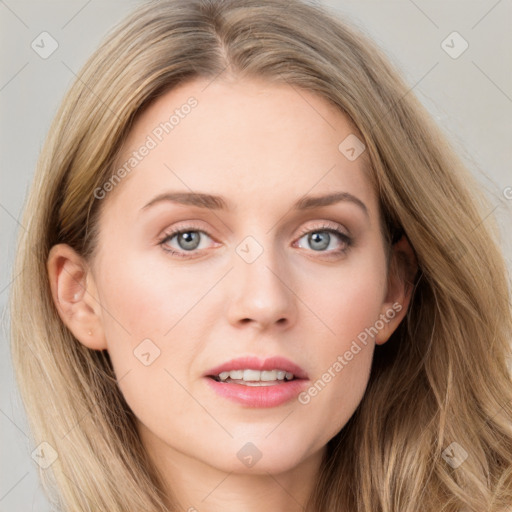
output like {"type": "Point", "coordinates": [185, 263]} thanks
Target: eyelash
{"type": "Point", "coordinates": [329, 228]}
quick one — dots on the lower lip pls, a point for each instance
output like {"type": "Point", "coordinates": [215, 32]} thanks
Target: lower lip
{"type": "Point", "coordinates": [259, 396]}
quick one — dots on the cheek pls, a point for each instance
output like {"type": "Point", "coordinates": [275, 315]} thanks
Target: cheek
{"type": "Point", "coordinates": [144, 318]}
{"type": "Point", "coordinates": [143, 300]}
{"type": "Point", "coordinates": [350, 306]}
{"type": "Point", "coordinates": [348, 299]}
{"type": "Point", "coordinates": [143, 310]}
{"type": "Point", "coordinates": [151, 314]}
{"type": "Point", "coordinates": [358, 306]}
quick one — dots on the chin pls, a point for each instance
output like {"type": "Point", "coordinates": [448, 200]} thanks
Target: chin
{"type": "Point", "coordinates": [264, 466]}
{"type": "Point", "coordinates": [260, 456]}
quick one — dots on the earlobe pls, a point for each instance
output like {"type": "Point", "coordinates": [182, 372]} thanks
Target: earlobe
{"type": "Point", "coordinates": [74, 295]}
{"type": "Point", "coordinates": [401, 274]}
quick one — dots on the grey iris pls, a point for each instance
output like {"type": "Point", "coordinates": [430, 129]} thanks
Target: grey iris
{"type": "Point", "coordinates": [316, 238]}
{"type": "Point", "coordinates": [188, 238]}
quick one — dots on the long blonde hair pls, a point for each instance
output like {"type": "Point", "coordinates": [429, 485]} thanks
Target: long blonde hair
{"type": "Point", "coordinates": [439, 387]}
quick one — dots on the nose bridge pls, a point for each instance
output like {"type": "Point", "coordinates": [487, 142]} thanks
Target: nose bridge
{"type": "Point", "coordinates": [260, 282]}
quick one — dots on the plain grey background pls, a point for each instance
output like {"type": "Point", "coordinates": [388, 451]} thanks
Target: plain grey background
{"type": "Point", "coordinates": [470, 96]}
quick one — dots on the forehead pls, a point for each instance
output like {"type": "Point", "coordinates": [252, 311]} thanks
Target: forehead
{"type": "Point", "coordinates": [245, 139]}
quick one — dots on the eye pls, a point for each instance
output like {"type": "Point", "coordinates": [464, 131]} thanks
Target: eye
{"type": "Point", "coordinates": [321, 238]}
{"type": "Point", "coordinates": [187, 238]}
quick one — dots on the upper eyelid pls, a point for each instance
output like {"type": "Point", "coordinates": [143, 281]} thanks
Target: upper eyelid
{"type": "Point", "coordinates": [323, 225]}
{"type": "Point", "coordinates": [326, 225]}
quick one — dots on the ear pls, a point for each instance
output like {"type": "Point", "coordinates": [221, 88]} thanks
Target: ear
{"type": "Point", "coordinates": [402, 270]}
{"type": "Point", "coordinates": [75, 296]}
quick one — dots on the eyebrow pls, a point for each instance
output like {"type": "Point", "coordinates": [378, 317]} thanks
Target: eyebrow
{"type": "Point", "coordinates": [213, 202]}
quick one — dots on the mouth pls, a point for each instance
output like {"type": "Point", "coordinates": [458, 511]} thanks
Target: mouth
{"type": "Point", "coordinates": [256, 383]}
{"type": "Point", "coordinates": [250, 377]}
{"type": "Point", "coordinates": [251, 369]}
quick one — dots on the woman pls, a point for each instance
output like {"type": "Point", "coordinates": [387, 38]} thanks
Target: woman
{"type": "Point", "coordinates": [257, 277]}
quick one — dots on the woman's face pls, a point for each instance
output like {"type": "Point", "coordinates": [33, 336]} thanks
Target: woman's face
{"type": "Point", "coordinates": [259, 272]}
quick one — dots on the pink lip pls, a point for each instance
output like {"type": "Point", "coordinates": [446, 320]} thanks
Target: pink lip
{"type": "Point", "coordinates": [259, 396]}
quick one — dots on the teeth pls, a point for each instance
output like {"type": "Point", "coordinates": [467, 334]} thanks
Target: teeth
{"type": "Point", "coordinates": [256, 375]}
{"type": "Point", "coordinates": [252, 375]}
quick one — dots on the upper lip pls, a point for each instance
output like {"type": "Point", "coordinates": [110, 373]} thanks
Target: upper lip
{"type": "Point", "coordinates": [254, 363]}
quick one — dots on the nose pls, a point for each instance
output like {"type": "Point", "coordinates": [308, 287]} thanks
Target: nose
{"type": "Point", "coordinates": [260, 291]}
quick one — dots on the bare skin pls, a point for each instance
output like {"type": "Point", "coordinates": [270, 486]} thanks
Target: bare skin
{"type": "Point", "coordinates": [262, 147]}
